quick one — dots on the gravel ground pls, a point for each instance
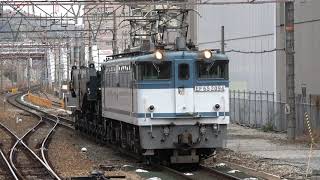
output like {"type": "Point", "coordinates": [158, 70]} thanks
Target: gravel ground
{"type": "Point", "coordinates": [65, 148]}
{"type": "Point", "coordinates": [68, 160]}
{"type": "Point", "coordinates": [271, 166]}
{"type": "Point", "coordinates": [16, 120]}
{"type": "Point", "coordinates": [34, 140]}
{"type": "Point", "coordinates": [268, 152]}
{"type": "Point", "coordinates": [6, 141]}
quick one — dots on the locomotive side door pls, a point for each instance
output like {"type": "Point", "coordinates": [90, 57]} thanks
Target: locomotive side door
{"type": "Point", "coordinates": [183, 78]}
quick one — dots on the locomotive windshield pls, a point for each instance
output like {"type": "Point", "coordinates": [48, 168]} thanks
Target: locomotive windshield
{"type": "Point", "coordinates": [183, 71]}
{"type": "Point", "coordinates": [212, 70]}
{"type": "Point", "coordinates": [153, 71]}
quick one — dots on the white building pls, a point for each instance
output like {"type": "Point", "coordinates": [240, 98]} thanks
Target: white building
{"type": "Point", "coordinates": [259, 27]}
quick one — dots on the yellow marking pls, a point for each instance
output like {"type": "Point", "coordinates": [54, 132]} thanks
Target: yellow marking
{"type": "Point", "coordinates": [311, 144]}
{"type": "Point", "coordinates": [39, 101]}
{"type": "Point", "coordinates": [62, 103]}
{"type": "Point", "coordinates": [14, 90]}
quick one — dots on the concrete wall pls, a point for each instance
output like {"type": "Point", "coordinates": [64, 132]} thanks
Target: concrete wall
{"type": "Point", "coordinates": [247, 28]}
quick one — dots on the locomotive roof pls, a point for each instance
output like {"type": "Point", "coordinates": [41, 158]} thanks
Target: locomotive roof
{"type": "Point", "coordinates": [168, 56]}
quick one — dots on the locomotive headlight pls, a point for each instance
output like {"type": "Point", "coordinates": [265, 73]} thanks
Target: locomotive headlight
{"type": "Point", "coordinates": [207, 54]}
{"type": "Point", "coordinates": [217, 106]}
{"type": "Point", "coordinates": [151, 108]}
{"type": "Point", "coordinates": [158, 54]}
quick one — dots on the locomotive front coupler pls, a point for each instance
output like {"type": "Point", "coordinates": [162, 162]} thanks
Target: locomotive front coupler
{"type": "Point", "coordinates": [185, 141]}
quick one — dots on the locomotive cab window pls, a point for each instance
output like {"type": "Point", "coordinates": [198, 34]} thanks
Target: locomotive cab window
{"type": "Point", "coordinates": [153, 70]}
{"type": "Point", "coordinates": [212, 70]}
{"type": "Point", "coordinates": [184, 71]}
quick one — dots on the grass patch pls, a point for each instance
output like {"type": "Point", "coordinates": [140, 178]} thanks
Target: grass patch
{"type": "Point", "coordinates": [268, 127]}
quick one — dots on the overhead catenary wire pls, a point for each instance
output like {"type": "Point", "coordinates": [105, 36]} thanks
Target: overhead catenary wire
{"type": "Point", "coordinates": [132, 3]}
{"type": "Point", "coordinates": [22, 3]}
{"type": "Point", "coordinates": [255, 52]}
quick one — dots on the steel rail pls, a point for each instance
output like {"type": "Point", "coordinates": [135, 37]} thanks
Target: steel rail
{"type": "Point", "coordinates": [209, 170]}
{"type": "Point", "coordinates": [43, 145]}
{"type": "Point", "coordinates": [57, 122]}
{"type": "Point", "coordinates": [67, 123]}
{"type": "Point", "coordinates": [8, 165]}
{"type": "Point", "coordinates": [20, 140]}
{"type": "Point", "coordinates": [226, 175]}
{"type": "Point", "coordinates": [180, 174]}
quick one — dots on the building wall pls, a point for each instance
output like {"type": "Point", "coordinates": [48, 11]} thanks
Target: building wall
{"type": "Point", "coordinates": [307, 44]}
{"type": "Point", "coordinates": [258, 28]}
{"type": "Point", "coordinates": [247, 28]}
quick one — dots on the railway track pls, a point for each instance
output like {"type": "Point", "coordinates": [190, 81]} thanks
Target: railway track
{"type": "Point", "coordinates": [186, 172]}
{"type": "Point", "coordinates": [6, 142]}
{"type": "Point", "coordinates": [62, 121]}
{"type": "Point", "coordinates": [205, 173]}
{"type": "Point", "coordinates": [27, 156]}
{"type": "Point", "coordinates": [24, 163]}
{"type": "Point", "coordinates": [201, 172]}
{"type": "Point", "coordinates": [6, 170]}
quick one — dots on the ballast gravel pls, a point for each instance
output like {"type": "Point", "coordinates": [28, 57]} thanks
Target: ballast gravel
{"type": "Point", "coordinates": [69, 161]}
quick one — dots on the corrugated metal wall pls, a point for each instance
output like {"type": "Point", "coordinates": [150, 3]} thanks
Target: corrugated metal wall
{"type": "Point", "coordinates": [307, 46]}
{"type": "Point", "coordinates": [247, 28]}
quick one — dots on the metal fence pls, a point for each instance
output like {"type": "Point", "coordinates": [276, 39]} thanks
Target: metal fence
{"type": "Point", "coordinates": [267, 110]}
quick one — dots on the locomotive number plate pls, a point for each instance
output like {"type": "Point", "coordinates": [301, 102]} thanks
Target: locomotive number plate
{"type": "Point", "coordinates": [209, 88]}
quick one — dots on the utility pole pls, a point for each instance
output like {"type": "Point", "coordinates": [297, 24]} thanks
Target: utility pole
{"type": "Point", "coordinates": [222, 40]}
{"type": "Point", "coordinates": [28, 72]}
{"type": "Point", "coordinates": [114, 37]}
{"type": "Point", "coordinates": [46, 72]}
{"type": "Point", "coordinates": [55, 69]}
{"type": "Point", "coordinates": [82, 52]}
{"type": "Point", "coordinates": [68, 59]}
{"type": "Point", "coordinates": [289, 48]}
{"type": "Point", "coordinates": [98, 58]}
{"type": "Point", "coordinates": [76, 49]}
{"type": "Point", "coordinates": [59, 72]}
{"type": "Point", "coordinates": [11, 73]}
{"type": "Point", "coordinates": [1, 75]}
{"type": "Point", "coordinates": [90, 59]}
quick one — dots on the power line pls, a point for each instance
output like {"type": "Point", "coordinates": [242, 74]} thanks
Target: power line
{"type": "Point", "coordinates": [256, 52]}
{"type": "Point", "coordinates": [302, 22]}
{"type": "Point", "coordinates": [133, 3]}
{"type": "Point", "coordinates": [238, 38]}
